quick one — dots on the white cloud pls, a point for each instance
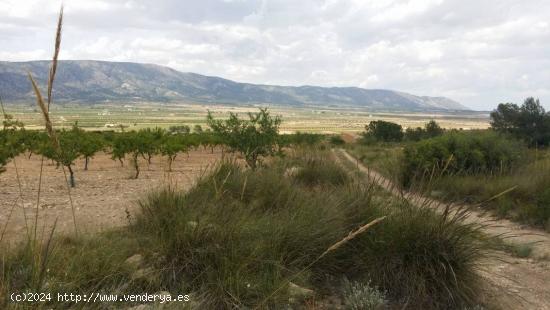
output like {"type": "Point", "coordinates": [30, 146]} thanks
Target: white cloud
{"type": "Point", "coordinates": [479, 52]}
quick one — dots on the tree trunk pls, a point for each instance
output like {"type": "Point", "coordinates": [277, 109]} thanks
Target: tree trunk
{"type": "Point", "coordinates": [170, 160]}
{"type": "Point", "coordinates": [121, 162]}
{"type": "Point", "coordinates": [71, 176]}
{"type": "Point", "coordinates": [86, 160]}
{"type": "Point", "coordinates": [136, 166]}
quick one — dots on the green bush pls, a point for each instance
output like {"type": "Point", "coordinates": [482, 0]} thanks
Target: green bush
{"type": "Point", "coordinates": [460, 153]}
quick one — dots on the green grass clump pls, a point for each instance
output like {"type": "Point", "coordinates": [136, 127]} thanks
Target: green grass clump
{"type": "Point", "coordinates": [316, 171]}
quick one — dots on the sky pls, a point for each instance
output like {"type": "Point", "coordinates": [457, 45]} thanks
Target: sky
{"type": "Point", "coordinates": [477, 52]}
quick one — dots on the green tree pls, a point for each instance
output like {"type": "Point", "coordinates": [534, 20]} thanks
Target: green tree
{"type": "Point", "coordinates": [150, 140]}
{"type": "Point", "coordinates": [171, 146]}
{"type": "Point", "coordinates": [254, 137]}
{"type": "Point", "coordinates": [433, 129]}
{"type": "Point", "coordinates": [120, 146]}
{"type": "Point", "coordinates": [529, 122]}
{"type": "Point", "coordinates": [11, 139]}
{"type": "Point", "coordinates": [68, 150]}
{"type": "Point", "coordinates": [90, 144]}
{"type": "Point", "coordinates": [383, 131]}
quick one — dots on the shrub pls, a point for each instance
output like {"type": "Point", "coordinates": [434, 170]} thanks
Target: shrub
{"type": "Point", "coordinates": [459, 152]}
{"type": "Point", "coordinates": [362, 296]}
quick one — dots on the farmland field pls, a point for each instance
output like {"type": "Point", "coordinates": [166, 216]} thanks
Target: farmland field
{"type": "Point", "coordinates": [307, 119]}
{"type": "Point", "coordinates": [105, 196]}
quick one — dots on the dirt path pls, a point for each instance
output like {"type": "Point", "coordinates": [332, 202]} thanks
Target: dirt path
{"type": "Point", "coordinates": [104, 196]}
{"type": "Point", "coordinates": [513, 283]}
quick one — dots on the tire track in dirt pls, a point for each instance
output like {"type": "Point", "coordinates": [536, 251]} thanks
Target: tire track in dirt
{"type": "Point", "coordinates": [512, 283]}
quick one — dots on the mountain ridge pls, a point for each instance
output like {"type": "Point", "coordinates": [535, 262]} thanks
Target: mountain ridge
{"type": "Point", "coordinates": [94, 81]}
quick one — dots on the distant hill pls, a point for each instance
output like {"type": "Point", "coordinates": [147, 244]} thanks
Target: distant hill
{"type": "Point", "coordinates": [90, 81]}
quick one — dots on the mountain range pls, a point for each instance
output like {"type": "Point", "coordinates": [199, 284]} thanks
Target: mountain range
{"type": "Point", "coordinates": [89, 81]}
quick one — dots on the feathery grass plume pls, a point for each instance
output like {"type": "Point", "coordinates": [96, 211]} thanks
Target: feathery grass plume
{"type": "Point", "coordinates": [352, 235]}
{"type": "Point", "coordinates": [53, 68]}
{"type": "Point", "coordinates": [45, 111]}
{"type": "Point", "coordinates": [45, 108]}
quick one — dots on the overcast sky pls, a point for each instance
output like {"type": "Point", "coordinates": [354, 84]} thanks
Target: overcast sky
{"type": "Point", "coordinates": [478, 52]}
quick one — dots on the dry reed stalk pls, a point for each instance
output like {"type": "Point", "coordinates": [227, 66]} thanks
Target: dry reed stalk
{"type": "Point", "coordinates": [46, 113]}
{"type": "Point", "coordinates": [351, 236]}
{"type": "Point", "coordinates": [53, 68]}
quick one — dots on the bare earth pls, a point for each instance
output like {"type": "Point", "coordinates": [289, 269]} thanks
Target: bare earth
{"type": "Point", "coordinates": [102, 196]}
{"type": "Point", "coordinates": [513, 283]}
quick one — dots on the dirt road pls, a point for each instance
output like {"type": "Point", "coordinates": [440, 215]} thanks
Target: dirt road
{"type": "Point", "coordinates": [512, 283]}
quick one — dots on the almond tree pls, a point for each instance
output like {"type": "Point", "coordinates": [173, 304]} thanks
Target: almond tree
{"type": "Point", "coordinates": [90, 144]}
{"type": "Point", "coordinates": [254, 137]}
{"type": "Point", "coordinates": [69, 150]}
{"type": "Point", "coordinates": [172, 145]}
